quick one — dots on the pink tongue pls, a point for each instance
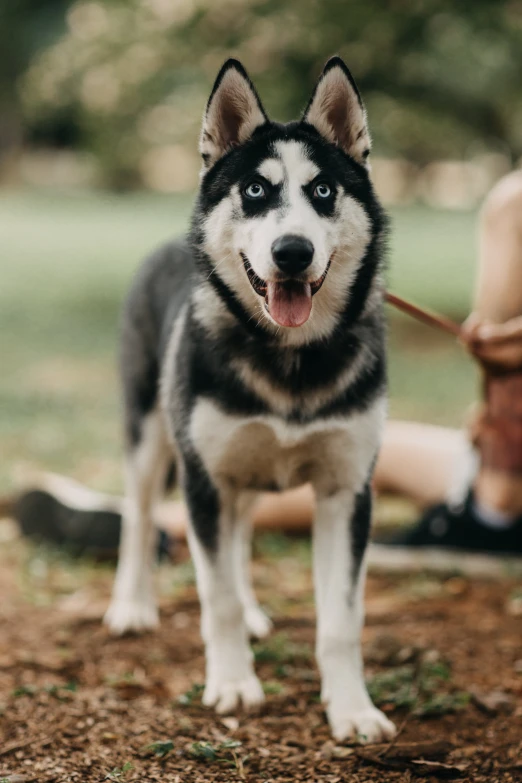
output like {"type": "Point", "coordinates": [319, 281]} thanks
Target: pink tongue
{"type": "Point", "coordinates": [289, 303]}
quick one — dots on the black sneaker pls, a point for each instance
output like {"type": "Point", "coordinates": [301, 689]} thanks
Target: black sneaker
{"type": "Point", "coordinates": [459, 528]}
{"type": "Point", "coordinates": [94, 532]}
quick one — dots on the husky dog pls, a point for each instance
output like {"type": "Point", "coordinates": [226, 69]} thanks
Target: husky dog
{"type": "Point", "coordinates": [253, 359]}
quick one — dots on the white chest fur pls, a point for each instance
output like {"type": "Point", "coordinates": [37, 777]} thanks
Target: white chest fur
{"type": "Point", "coordinates": [265, 452]}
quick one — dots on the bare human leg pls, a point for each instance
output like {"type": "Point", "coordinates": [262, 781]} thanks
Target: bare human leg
{"type": "Point", "coordinates": [498, 304]}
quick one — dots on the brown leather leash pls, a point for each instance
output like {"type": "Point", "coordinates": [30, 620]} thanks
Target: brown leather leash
{"type": "Point", "coordinates": [426, 316]}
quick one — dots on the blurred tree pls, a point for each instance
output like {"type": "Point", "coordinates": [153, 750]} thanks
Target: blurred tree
{"type": "Point", "coordinates": [439, 76]}
{"type": "Point", "coordinates": [26, 26]}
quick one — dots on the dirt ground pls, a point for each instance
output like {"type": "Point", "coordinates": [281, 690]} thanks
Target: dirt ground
{"type": "Point", "coordinates": [443, 659]}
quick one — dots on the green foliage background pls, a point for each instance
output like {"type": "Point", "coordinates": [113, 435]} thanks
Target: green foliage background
{"type": "Point", "coordinates": [440, 77]}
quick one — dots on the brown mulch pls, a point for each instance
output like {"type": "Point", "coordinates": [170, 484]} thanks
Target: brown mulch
{"type": "Point", "coordinates": [78, 705]}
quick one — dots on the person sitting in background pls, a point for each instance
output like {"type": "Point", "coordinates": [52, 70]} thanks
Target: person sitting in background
{"type": "Point", "coordinates": [469, 484]}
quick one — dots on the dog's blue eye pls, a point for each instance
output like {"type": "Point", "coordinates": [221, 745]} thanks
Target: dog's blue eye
{"type": "Point", "coordinates": [322, 191]}
{"type": "Point", "coordinates": [255, 190]}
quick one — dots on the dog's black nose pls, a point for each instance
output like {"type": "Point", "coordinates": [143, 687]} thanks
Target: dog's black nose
{"type": "Point", "coordinates": [292, 253]}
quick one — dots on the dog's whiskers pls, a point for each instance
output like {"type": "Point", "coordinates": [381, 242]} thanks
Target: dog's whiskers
{"type": "Point", "coordinates": [219, 263]}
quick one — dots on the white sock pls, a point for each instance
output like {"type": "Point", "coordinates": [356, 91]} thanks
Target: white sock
{"type": "Point", "coordinates": [491, 517]}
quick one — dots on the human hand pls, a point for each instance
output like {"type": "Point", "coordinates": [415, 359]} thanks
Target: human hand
{"type": "Point", "coordinates": [498, 344]}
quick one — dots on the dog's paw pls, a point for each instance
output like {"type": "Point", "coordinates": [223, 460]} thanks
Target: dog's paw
{"type": "Point", "coordinates": [124, 615]}
{"type": "Point", "coordinates": [367, 725]}
{"type": "Point", "coordinates": [257, 622]}
{"type": "Point", "coordinates": [226, 695]}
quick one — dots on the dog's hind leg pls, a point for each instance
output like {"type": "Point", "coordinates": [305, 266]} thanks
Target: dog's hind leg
{"type": "Point", "coordinates": [258, 623]}
{"type": "Point", "coordinates": [230, 676]}
{"type": "Point", "coordinates": [133, 605]}
{"type": "Point", "coordinates": [340, 537]}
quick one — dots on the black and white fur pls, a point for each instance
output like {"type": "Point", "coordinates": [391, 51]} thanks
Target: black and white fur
{"type": "Point", "coordinates": [242, 404]}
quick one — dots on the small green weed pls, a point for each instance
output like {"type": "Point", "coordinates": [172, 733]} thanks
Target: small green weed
{"type": "Point", "coordinates": [418, 689]}
{"type": "Point", "coordinates": [191, 696]}
{"type": "Point", "coordinates": [204, 751]}
{"type": "Point", "coordinates": [442, 703]}
{"type": "Point", "coordinates": [58, 691]}
{"type": "Point", "coordinates": [61, 692]}
{"type": "Point", "coordinates": [222, 753]}
{"type": "Point", "coordinates": [273, 688]}
{"type": "Point", "coordinates": [25, 690]}
{"type": "Point", "coordinates": [120, 773]}
{"type": "Point", "coordinates": [159, 749]}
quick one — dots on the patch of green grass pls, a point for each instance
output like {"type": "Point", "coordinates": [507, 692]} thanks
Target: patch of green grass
{"type": "Point", "coordinates": [60, 692]}
{"type": "Point", "coordinates": [283, 670]}
{"type": "Point", "coordinates": [46, 573]}
{"type": "Point", "coordinates": [275, 545]}
{"type": "Point", "coordinates": [24, 690]}
{"type": "Point", "coordinates": [421, 689]}
{"type": "Point", "coordinates": [69, 259]}
{"type": "Point", "coordinates": [279, 649]}
{"type": "Point", "coordinates": [182, 575]}
{"type": "Point", "coordinates": [432, 257]}
{"type": "Point", "coordinates": [442, 703]}
{"type": "Point", "coordinates": [273, 688]}
{"type": "Point", "coordinates": [431, 378]}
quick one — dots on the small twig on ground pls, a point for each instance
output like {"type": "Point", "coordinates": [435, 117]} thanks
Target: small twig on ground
{"type": "Point", "coordinates": [393, 742]}
{"type": "Point", "coordinates": [20, 745]}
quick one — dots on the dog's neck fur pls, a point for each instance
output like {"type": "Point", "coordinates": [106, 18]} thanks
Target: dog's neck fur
{"type": "Point", "coordinates": [296, 381]}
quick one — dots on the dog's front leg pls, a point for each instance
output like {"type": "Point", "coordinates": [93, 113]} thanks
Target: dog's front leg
{"type": "Point", "coordinates": [230, 676]}
{"type": "Point", "coordinates": [257, 622]}
{"type": "Point", "coordinates": [340, 537]}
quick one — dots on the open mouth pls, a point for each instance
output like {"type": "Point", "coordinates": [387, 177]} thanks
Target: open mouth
{"type": "Point", "coordinates": [289, 302]}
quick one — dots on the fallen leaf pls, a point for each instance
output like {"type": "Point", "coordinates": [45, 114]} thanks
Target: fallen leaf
{"type": "Point", "coordinates": [232, 724]}
{"type": "Point", "coordinates": [414, 750]}
{"type": "Point", "coordinates": [439, 769]}
{"type": "Point", "coordinates": [493, 703]}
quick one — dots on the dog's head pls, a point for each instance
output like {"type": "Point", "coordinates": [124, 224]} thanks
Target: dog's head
{"type": "Point", "coordinates": [285, 211]}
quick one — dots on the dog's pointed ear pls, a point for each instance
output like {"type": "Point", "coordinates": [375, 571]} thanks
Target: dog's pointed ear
{"type": "Point", "coordinates": [337, 111]}
{"type": "Point", "coordinates": [233, 113]}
